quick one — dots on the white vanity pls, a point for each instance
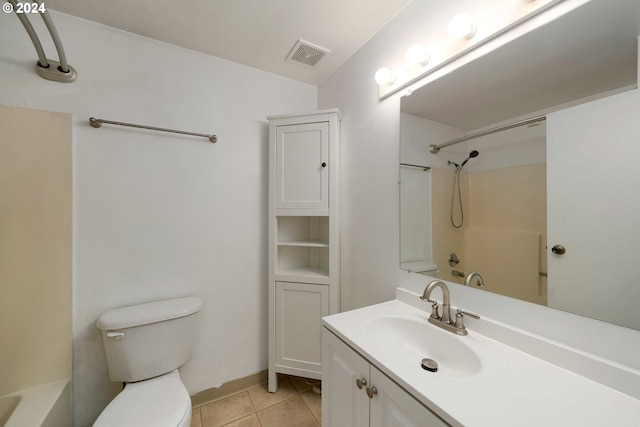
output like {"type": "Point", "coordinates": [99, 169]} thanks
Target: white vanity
{"type": "Point", "coordinates": [372, 374]}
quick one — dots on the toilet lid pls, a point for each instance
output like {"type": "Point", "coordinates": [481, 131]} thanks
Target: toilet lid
{"type": "Point", "coordinates": [159, 402]}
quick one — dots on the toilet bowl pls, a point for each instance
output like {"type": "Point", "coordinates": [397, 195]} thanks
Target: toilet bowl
{"type": "Point", "coordinates": [161, 401]}
{"type": "Point", "coordinates": [145, 345]}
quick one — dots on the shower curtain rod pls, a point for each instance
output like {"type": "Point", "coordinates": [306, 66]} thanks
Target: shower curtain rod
{"type": "Point", "coordinates": [434, 149]}
{"type": "Point", "coordinates": [97, 123]}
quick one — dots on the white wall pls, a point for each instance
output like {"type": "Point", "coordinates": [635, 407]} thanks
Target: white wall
{"type": "Point", "coordinates": [156, 215]}
{"type": "Point", "coordinates": [370, 134]}
{"type": "Point", "coordinates": [370, 153]}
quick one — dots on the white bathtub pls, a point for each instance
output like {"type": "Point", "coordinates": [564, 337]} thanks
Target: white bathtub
{"type": "Point", "coordinates": [47, 405]}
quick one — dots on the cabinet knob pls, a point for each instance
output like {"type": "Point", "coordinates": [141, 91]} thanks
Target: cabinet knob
{"type": "Point", "coordinates": [371, 392]}
{"type": "Point", "coordinates": [361, 382]}
{"type": "Point", "coordinates": [324, 165]}
{"type": "Point", "coordinates": [558, 250]}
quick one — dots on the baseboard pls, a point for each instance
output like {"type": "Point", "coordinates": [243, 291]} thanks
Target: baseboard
{"type": "Point", "coordinates": [229, 388]}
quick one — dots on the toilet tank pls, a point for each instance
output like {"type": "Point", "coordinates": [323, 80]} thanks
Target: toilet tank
{"type": "Point", "coordinates": [147, 340]}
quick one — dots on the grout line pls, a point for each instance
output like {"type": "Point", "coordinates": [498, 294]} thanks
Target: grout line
{"type": "Point", "coordinates": [297, 394]}
{"type": "Point", "coordinates": [308, 407]}
{"type": "Point", "coordinates": [255, 412]}
{"type": "Point", "coordinates": [226, 396]}
{"type": "Point", "coordinates": [199, 415]}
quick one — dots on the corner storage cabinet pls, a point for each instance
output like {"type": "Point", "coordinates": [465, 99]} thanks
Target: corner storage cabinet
{"type": "Point", "coordinates": [357, 394]}
{"type": "Point", "coordinates": [304, 239]}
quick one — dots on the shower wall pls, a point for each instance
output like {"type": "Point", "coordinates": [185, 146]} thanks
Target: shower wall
{"type": "Point", "coordinates": [447, 239]}
{"type": "Point", "coordinates": [504, 197]}
{"type": "Point", "coordinates": [35, 248]}
{"type": "Point", "coordinates": [507, 230]}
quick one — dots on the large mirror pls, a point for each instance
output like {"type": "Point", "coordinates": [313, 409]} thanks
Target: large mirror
{"type": "Point", "coordinates": [546, 212]}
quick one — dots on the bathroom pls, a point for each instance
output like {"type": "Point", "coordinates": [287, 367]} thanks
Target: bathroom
{"type": "Point", "coordinates": [157, 218]}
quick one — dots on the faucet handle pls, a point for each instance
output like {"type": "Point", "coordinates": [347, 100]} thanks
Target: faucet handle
{"type": "Point", "coordinates": [461, 311]}
{"type": "Point", "coordinates": [459, 324]}
{"type": "Point", "coordinates": [434, 309]}
{"type": "Point", "coordinates": [435, 314]}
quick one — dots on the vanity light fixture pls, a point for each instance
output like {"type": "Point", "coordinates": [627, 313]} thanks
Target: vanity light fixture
{"type": "Point", "coordinates": [385, 76]}
{"type": "Point", "coordinates": [462, 27]}
{"type": "Point", "coordinates": [417, 55]}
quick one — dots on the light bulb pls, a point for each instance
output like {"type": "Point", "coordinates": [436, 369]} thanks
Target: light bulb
{"type": "Point", "coordinates": [417, 55]}
{"type": "Point", "coordinates": [385, 76]}
{"type": "Point", "coordinates": [462, 27]}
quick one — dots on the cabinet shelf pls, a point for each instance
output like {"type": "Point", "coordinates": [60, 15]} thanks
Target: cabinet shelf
{"type": "Point", "coordinates": [306, 274]}
{"type": "Point", "coordinates": [305, 243]}
{"type": "Point", "coordinates": [310, 229]}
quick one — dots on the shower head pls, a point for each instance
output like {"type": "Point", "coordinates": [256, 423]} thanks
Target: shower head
{"type": "Point", "coordinates": [472, 154]}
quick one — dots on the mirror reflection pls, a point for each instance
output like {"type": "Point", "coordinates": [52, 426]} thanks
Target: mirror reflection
{"type": "Point", "coordinates": [520, 206]}
{"type": "Point", "coordinates": [487, 210]}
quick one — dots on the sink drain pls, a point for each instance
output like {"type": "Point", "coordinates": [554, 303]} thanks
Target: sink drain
{"type": "Point", "coordinates": [429, 365]}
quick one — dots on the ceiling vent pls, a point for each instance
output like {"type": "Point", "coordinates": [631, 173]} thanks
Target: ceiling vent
{"type": "Point", "coordinates": [306, 54]}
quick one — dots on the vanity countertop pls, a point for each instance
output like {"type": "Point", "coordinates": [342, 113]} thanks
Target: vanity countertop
{"type": "Point", "coordinates": [512, 387]}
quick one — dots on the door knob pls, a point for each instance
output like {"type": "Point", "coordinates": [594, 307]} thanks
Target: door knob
{"type": "Point", "coordinates": [558, 249]}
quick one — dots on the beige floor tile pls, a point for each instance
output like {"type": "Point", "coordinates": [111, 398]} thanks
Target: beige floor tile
{"type": "Point", "coordinates": [290, 413]}
{"type": "Point", "coordinates": [196, 421]}
{"type": "Point", "coordinates": [262, 399]}
{"type": "Point", "coordinates": [314, 403]}
{"type": "Point", "coordinates": [301, 383]}
{"type": "Point", "coordinates": [224, 411]}
{"type": "Point", "coordinates": [250, 421]}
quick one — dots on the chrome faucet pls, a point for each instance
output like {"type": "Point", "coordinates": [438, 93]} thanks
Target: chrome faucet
{"type": "Point", "coordinates": [471, 276]}
{"type": "Point", "coordinates": [446, 306]}
{"type": "Point", "coordinates": [444, 321]}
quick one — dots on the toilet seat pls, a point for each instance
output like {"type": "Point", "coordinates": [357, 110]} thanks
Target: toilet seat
{"type": "Point", "coordinates": [160, 402]}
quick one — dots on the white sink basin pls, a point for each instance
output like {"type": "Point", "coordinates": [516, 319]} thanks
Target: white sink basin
{"type": "Point", "coordinates": [410, 340]}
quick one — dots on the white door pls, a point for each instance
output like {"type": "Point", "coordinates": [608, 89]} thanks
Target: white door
{"type": "Point", "coordinates": [299, 308]}
{"type": "Point", "coordinates": [391, 406]}
{"type": "Point", "coordinates": [593, 158]}
{"type": "Point", "coordinates": [344, 404]}
{"type": "Point", "coordinates": [302, 178]}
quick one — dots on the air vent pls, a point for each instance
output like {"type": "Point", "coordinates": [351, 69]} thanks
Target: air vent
{"type": "Point", "coordinates": [307, 54]}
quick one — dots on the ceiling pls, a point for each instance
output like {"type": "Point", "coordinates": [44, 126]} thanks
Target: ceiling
{"type": "Point", "coordinates": [591, 50]}
{"type": "Point", "coordinates": [256, 33]}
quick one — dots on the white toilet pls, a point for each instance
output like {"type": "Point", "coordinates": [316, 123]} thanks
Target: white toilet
{"type": "Point", "coordinates": [145, 345]}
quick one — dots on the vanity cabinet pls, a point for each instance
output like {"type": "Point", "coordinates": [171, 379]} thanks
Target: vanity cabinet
{"type": "Point", "coordinates": [357, 394]}
{"type": "Point", "coordinates": [304, 258]}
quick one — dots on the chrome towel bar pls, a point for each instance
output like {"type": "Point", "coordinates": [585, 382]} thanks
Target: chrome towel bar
{"type": "Point", "coordinates": [97, 123]}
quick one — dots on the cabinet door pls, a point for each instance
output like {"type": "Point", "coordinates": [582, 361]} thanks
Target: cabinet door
{"type": "Point", "coordinates": [301, 179]}
{"type": "Point", "coordinates": [392, 406]}
{"type": "Point", "coordinates": [343, 403]}
{"type": "Point", "coordinates": [299, 308]}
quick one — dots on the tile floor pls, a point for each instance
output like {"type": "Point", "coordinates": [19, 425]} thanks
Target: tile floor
{"type": "Point", "coordinates": [294, 405]}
